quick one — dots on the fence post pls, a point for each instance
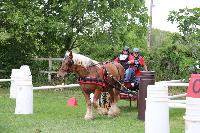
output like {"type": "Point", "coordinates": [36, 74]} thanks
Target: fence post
{"type": "Point", "coordinates": [24, 98]}
{"type": "Point", "coordinates": [157, 109]}
{"type": "Point", "coordinates": [50, 68]}
{"type": "Point", "coordinates": [13, 87]}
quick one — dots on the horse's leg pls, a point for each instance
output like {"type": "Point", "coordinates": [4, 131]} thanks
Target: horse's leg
{"type": "Point", "coordinates": [89, 113]}
{"type": "Point", "coordinates": [114, 109]}
{"type": "Point", "coordinates": [97, 95]}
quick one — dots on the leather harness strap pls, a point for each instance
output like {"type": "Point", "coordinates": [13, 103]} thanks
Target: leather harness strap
{"type": "Point", "coordinates": [99, 80]}
{"type": "Point", "coordinates": [102, 77]}
{"type": "Point", "coordinates": [118, 72]}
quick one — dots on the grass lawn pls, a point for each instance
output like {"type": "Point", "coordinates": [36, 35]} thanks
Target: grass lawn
{"type": "Point", "coordinates": [52, 115]}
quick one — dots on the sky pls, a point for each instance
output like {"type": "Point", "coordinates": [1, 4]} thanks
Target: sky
{"type": "Point", "coordinates": [161, 8]}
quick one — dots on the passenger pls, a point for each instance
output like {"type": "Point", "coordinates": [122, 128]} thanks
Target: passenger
{"type": "Point", "coordinates": [138, 64]}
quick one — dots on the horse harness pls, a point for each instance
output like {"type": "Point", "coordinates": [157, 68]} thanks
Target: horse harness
{"type": "Point", "coordinates": [102, 77]}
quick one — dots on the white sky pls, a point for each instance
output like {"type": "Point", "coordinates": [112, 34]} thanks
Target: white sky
{"type": "Point", "coordinates": [161, 9]}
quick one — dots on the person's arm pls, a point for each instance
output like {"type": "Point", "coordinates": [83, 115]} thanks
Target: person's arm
{"type": "Point", "coordinates": [116, 59]}
{"type": "Point", "coordinates": [142, 62]}
{"type": "Point", "coordinates": [130, 59]}
{"type": "Point", "coordinates": [145, 67]}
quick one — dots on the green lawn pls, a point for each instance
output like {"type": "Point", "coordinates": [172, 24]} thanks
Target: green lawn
{"type": "Point", "coordinates": [52, 115]}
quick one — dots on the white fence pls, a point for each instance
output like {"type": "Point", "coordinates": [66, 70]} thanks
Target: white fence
{"type": "Point", "coordinates": [22, 89]}
{"type": "Point", "coordinates": [157, 102]}
{"type": "Point", "coordinates": [157, 109]}
{"type": "Point", "coordinates": [5, 80]}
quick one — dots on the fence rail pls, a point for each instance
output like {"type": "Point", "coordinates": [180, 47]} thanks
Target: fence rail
{"type": "Point", "coordinates": [50, 61]}
{"type": "Point", "coordinates": [53, 59]}
{"type": "Point", "coordinates": [55, 87]}
{"type": "Point", "coordinates": [5, 80]}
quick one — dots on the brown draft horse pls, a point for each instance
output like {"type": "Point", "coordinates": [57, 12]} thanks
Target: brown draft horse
{"type": "Point", "coordinates": [95, 78]}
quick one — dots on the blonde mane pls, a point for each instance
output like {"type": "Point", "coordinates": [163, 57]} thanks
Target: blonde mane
{"type": "Point", "coordinates": [82, 60]}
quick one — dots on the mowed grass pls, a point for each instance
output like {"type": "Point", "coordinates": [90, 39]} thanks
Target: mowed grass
{"type": "Point", "coordinates": [52, 115]}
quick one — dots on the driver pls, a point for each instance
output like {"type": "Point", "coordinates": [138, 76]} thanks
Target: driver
{"type": "Point", "coordinates": [125, 60]}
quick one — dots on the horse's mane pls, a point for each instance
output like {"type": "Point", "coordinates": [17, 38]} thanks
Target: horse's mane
{"type": "Point", "coordinates": [82, 60]}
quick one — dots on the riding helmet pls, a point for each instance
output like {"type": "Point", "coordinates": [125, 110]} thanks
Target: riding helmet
{"type": "Point", "coordinates": [126, 48]}
{"type": "Point", "coordinates": [136, 50]}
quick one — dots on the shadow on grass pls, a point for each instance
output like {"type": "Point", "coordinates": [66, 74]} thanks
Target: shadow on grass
{"type": "Point", "coordinates": [127, 109]}
{"type": "Point", "coordinates": [124, 105]}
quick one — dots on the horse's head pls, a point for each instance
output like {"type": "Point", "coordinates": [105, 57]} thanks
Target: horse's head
{"type": "Point", "coordinates": [74, 59]}
{"type": "Point", "coordinates": [67, 64]}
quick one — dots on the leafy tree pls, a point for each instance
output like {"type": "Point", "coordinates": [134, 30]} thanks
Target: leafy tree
{"type": "Point", "coordinates": [16, 37]}
{"type": "Point", "coordinates": [171, 61]}
{"type": "Point", "coordinates": [56, 24]}
{"type": "Point", "coordinates": [188, 25]}
{"type": "Point", "coordinates": [161, 38]}
{"type": "Point", "coordinates": [125, 24]}
{"type": "Point", "coordinates": [49, 27]}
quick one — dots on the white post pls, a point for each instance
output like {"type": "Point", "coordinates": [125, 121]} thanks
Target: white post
{"type": "Point", "coordinates": [192, 115]}
{"type": "Point", "coordinates": [24, 99]}
{"type": "Point", "coordinates": [50, 68]}
{"type": "Point", "coordinates": [13, 87]}
{"type": "Point", "coordinates": [157, 110]}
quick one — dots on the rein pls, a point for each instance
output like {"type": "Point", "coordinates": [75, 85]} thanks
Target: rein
{"type": "Point", "coordinates": [117, 81]}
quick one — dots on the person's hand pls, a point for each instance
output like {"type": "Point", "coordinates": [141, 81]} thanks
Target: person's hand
{"type": "Point", "coordinates": [129, 62]}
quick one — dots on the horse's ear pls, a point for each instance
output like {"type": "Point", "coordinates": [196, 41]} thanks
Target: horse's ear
{"type": "Point", "coordinates": [67, 51]}
{"type": "Point", "coordinates": [70, 54]}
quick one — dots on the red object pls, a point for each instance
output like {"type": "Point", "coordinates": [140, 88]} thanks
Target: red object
{"type": "Point", "coordinates": [127, 84]}
{"type": "Point", "coordinates": [194, 86]}
{"type": "Point", "coordinates": [72, 102]}
{"type": "Point", "coordinates": [141, 61]}
{"type": "Point", "coordinates": [92, 82]}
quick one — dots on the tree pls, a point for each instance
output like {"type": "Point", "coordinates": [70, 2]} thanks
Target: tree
{"type": "Point", "coordinates": [124, 23]}
{"type": "Point", "coordinates": [188, 24]}
{"type": "Point", "coordinates": [161, 38]}
{"type": "Point", "coordinates": [49, 27]}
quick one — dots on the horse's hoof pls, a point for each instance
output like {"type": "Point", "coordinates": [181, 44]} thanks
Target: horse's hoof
{"type": "Point", "coordinates": [110, 115]}
{"type": "Point", "coordinates": [89, 118]}
{"type": "Point", "coordinates": [113, 112]}
{"type": "Point", "coordinates": [102, 111]}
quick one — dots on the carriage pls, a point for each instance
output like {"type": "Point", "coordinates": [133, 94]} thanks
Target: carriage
{"type": "Point", "coordinates": [129, 93]}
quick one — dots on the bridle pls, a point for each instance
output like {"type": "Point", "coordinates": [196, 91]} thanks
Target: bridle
{"type": "Point", "coordinates": [70, 63]}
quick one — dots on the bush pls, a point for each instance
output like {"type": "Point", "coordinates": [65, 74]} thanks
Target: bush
{"type": "Point", "coordinates": [171, 61]}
